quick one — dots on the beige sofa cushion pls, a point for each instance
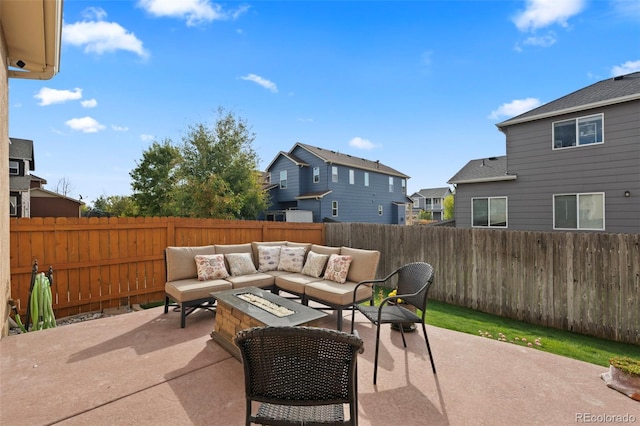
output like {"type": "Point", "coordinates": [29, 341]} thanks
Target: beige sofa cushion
{"type": "Point", "coordinates": [364, 265]}
{"type": "Point", "coordinates": [233, 248]}
{"type": "Point", "coordinates": [181, 261]}
{"type": "Point", "coordinates": [294, 283]}
{"type": "Point", "coordinates": [337, 294]}
{"type": "Point", "coordinates": [325, 249]}
{"type": "Point", "coordinates": [192, 289]}
{"type": "Point", "coordinates": [259, 279]}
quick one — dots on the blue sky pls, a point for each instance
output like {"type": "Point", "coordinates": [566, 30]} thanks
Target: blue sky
{"type": "Point", "coordinates": [417, 85]}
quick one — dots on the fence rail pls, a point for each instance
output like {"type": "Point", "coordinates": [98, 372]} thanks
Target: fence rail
{"type": "Point", "coordinates": [583, 282]}
{"type": "Point", "coordinates": [101, 263]}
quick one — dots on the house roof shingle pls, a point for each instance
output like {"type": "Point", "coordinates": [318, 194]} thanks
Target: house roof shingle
{"type": "Point", "coordinates": [483, 170]}
{"type": "Point", "coordinates": [349, 160]}
{"type": "Point", "coordinates": [434, 192]}
{"type": "Point", "coordinates": [22, 149]}
{"type": "Point", "coordinates": [606, 92]}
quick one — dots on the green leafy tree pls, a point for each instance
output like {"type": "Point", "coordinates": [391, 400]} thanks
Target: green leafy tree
{"type": "Point", "coordinates": [113, 205]}
{"type": "Point", "coordinates": [218, 171]}
{"type": "Point", "coordinates": [449, 210]}
{"type": "Point", "coordinates": [154, 180]}
{"type": "Point", "coordinates": [424, 215]}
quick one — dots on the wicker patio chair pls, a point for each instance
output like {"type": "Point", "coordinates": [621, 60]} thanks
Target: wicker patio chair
{"type": "Point", "coordinates": [300, 375]}
{"type": "Point", "coordinates": [413, 283]}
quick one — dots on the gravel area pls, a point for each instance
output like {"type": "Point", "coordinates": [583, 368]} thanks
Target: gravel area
{"type": "Point", "coordinates": [89, 316]}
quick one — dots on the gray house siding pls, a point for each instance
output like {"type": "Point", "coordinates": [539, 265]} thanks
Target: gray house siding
{"type": "Point", "coordinates": [611, 167]}
{"type": "Point", "coordinates": [356, 202]}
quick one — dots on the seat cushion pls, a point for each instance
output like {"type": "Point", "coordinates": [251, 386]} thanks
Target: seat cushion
{"type": "Point", "coordinates": [192, 289]}
{"type": "Point", "coordinates": [258, 279]}
{"type": "Point", "coordinates": [294, 282]}
{"type": "Point", "coordinates": [335, 293]}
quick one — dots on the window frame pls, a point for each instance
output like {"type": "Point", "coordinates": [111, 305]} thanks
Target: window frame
{"type": "Point", "coordinates": [334, 208]}
{"type": "Point", "coordinates": [316, 175]}
{"type": "Point", "coordinates": [352, 177]}
{"type": "Point", "coordinates": [334, 174]}
{"type": "Point", "coordinates": [578, 195]}
{"type": "Point", "coordinates": [380, 210]}
{"type": "Point", "coordinates": [489, 225]}
{"type": "Point", "coordinates": [13, 206]}
{"type": "Point", "coordinates": [16, 167]}
{"type": "Point", "coordinates": [366, 178]}
{"type": "Point", "coordinates": [283, 181]}
{"type": "Point", "coordinates": [390, 183]}
{"type": "Point", "coordinates": [577, 121]}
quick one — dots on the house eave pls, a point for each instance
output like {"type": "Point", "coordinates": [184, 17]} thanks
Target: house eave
{"type": "Point", "coordinates": [481, 180]}
{"type": "Point", "coordinates": [33, 35]}
{"type": "Point", "coordinates": [608, 102]}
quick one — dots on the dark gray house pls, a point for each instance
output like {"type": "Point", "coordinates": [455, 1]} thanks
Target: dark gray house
{"type": "Point", "coordinates": [331, 186]}
{"type": "Point", "coordinates": [21, 163]}
{"type": "Point", "coordinates": [572, 164]}
{"type": "Point", "coordinates": [430, 200]}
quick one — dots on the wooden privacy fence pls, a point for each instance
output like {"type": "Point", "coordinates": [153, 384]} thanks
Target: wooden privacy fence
{"type": "Point", "coordinates": [583, 282]}
{"type": "Point", "coordinates": [101, 263]}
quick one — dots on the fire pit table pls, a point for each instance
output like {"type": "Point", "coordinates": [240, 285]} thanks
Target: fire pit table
{"type": "Point", "coordinates": [248, 307]}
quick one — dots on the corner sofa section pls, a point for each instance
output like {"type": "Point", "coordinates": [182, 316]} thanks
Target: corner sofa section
{"type": "Point", "coordinates": [183, 287]}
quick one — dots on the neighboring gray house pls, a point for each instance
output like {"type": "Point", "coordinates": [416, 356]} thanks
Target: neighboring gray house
{"type": "Point", "coordinates": [430, 200]}
{"type": "Point", "coordinates": [571, 164]}
{"type": "Point", "coordinates": [21, 163]}
{"type": "Point", "coordinates": [335, 187]}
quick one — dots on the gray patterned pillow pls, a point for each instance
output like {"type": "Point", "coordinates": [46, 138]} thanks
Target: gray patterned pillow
{"type": "Point", "coordinates": [268, 258]}
{"type": "Point", "coordinates": [240, 263]}
{"type": "Point", "coordinates": [314, 266]}
{"type": "Point", "coordinates": [291, 259]}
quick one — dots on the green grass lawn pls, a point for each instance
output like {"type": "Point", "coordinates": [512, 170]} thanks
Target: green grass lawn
{"type": "Point", "coordinates": [573, 345]}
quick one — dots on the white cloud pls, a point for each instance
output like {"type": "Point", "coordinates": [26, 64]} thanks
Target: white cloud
{"type": "Point", "coordinates": [360, 143]}
{"type": "Point", "coordinates": [541, 41]}
{"type": "Point", "coordinates": [627, 8]}
{"type": "Point", "coordinates": [261, 81]}
{"type": "Point", "coordinates": [102, 37]}
{"type": "Point", "coordinates": [119, 128]}
{"type": "Point", "coordinates": [85, 125]}
{"type": "Point", "coordinates": [89, 103]}
{"type": "Point", "coordinates": [53, 96]}
{"type": "Point", "coordinates": [146, 138]}
{"type": "Point", "coordinates": [515, 107]}
{"type": "Point", "coordinates": [543, 13]}
{"type": "Point", "coordinates": [194, 12]}
{"type": "Point", "coordinates": [626, 68]}
{"type": "Point", "coordinates": [94, 13]}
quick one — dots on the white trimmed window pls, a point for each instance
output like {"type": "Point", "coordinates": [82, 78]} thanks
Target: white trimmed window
{"type": "Point", "coordinates": [578, 131]}
{"type": "Point", "coordinates": [416, 203]}
{"type": "Point", "coordinates": [579, 211]}
{"type": "Point", "coordinates": [404, 186]}
{"type": "Point", "coordinates": [334, 208]}
{"type": "Point", "coordinates": [380, 210]}
{"type": "Point", "coordinates": [352, 177]}
{"type": "Point", "coordinates": [390, 183]}
{"type": "Point", "coordinates": [489, 212]}
{"type": "Point", "coordinates": [283, 179]}
{"type": "Point", "coordinates": [316, 174]}
{"type": "Point", "coordinates": [14, 167]}
{"type": "Point", "coordinates": [366, 178]}
{"type": "Point", "coordinates": [13, 205]}
{"type": "Point", "coordinates": [334, 174]}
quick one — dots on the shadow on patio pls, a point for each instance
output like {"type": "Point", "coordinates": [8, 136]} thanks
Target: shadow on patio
{"type": "Point", "coordinates": [141, 368]}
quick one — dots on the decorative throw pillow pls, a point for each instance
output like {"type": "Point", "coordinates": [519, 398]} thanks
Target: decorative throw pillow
{"type": "Point", "coordinates": [337, 268]}
{"type": "Point", "coordinates": [315, 264]}
{"type": "Point", "coordinates": [240, 263]}
{"type": "Point", "coordinates": [211, 266]}
{"type": "Point", "coordinates": [268, 258]}
{"type": "Point", "coordinates": [291, 259]}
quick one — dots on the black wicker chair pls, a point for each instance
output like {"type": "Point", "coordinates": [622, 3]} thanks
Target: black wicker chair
{"type": "Point", "coordinates": [413, 283]}
{"type": "Point", "coordinates": [300, 375]}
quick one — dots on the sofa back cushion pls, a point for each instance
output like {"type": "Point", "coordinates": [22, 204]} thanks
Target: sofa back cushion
{"type": "Point", "coordinates": [364, 265]}
{"type": "Point", "coordinates": [256, 244]}
{"type": "Point", "coordinates": [181, 261]}
{"type": "Point", "coordinates": [324, 249]}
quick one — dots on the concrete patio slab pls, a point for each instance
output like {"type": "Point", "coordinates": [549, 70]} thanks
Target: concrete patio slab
{"type": "Point", "coordinates": [141, 368]}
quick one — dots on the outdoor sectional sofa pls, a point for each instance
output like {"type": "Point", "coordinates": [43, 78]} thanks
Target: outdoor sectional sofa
{"type": "Point", "coordinates": [308, 271]}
